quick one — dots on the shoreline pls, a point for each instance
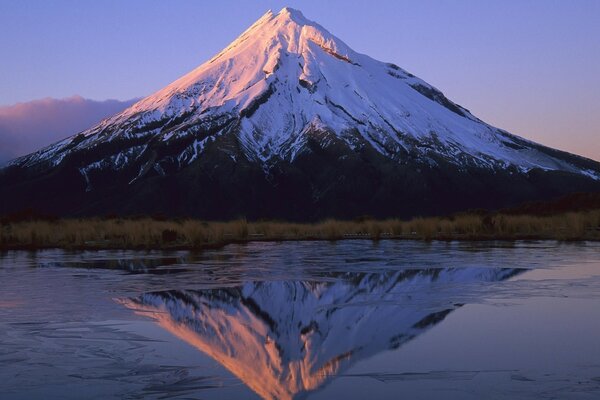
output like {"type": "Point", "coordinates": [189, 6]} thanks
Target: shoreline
{"type": "Point", "coordinates": [216, 246]}
{"type": "Point", "coordinates": [153, 234]}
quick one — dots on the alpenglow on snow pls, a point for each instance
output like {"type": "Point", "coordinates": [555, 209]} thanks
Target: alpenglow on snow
{"type": "Point", "coordinates": [290, 111]}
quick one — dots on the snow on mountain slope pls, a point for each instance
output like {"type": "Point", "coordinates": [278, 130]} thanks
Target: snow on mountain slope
{"type": "Point", "coordinates": [285, 338]}
{"type": "Point", "coordinates": [283, 78]}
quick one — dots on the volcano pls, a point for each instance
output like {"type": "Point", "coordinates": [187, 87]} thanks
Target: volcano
{"type": "Point", "coordinates": [289, 122]}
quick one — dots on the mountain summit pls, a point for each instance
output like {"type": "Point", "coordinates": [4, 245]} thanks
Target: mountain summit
{"type": "Point", "coordinates": [289, 122]}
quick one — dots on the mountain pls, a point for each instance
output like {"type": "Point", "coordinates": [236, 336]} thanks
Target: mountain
{"type": "Point", "coordinates": [289, 122]}
{"type": "Point", "coordinates": [284, 339]}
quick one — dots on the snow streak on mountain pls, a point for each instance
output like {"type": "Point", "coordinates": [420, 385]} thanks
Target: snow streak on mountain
{"type": "Point", "coordinates": [290, 111]}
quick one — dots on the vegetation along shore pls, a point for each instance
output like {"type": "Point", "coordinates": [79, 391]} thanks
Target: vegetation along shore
{"type": "Point", "coordinates": [159, 233]}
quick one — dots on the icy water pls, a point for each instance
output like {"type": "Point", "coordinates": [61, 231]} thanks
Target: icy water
{"type": "Point", "coordinates": [316, 320]}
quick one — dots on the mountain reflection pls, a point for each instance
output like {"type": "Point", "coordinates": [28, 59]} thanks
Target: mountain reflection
{"type": "Point", "coordinates": [286, 338]}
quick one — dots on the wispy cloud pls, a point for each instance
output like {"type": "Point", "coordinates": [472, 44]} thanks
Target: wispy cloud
{"type": "Point", "coordinates": [26, 127]}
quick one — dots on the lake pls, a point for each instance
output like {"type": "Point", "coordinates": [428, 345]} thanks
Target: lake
{"type": "Point", "coordinates": [319, 320]}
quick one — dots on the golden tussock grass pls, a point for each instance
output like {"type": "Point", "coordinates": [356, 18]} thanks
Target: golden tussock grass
{"type": "Point", "coordinates": [150, 233]}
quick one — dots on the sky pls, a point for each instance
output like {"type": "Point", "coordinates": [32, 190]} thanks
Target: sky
{"type": "Point", "coordinates": [527, 66]}
{"type": "Point", "coordinates": [25, 127]}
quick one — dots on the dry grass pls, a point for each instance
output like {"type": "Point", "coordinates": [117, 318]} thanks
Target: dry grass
{"type": "Point", "coordinates": [150, 233]}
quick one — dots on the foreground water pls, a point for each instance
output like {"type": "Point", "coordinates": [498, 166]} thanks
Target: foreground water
{"type": "Point", "coordinates": [318, 320]}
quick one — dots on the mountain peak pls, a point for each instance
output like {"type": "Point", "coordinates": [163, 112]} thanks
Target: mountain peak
{"type": "Point", "coordinates": [289, 26]}
{"type": "Point", "coordinates": [285, 13]}
{"type": "Point", "coordinates": [293, 14]}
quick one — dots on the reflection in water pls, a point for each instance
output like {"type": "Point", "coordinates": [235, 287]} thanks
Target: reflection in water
{"type": "Point", "coordinates": [286, 338]}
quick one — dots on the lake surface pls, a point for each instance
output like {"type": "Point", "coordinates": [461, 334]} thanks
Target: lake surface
{"type": "Point", "coordinates": [316, 320]}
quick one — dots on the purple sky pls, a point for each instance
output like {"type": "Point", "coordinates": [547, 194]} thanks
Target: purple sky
{"type": "Point", "coordinates": [527, 66]}
{"type": "Point", "coordinates": [25, 127]}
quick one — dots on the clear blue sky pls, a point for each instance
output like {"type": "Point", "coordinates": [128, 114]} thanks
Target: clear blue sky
{"type": "Point", "coordinates": [532, 67]}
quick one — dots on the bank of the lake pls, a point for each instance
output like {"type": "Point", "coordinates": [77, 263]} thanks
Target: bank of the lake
{"type": "Point", "coordinates": [153, 233]}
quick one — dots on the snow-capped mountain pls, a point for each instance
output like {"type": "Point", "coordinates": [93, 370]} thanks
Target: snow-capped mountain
{"type": "Point", "coordinates": [284, 339]}
{"type": "Point", "coordinates": [288, 121]}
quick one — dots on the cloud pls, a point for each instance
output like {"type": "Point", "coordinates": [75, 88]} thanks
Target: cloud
{"type": "Point", "coordinates": [26, 127]}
